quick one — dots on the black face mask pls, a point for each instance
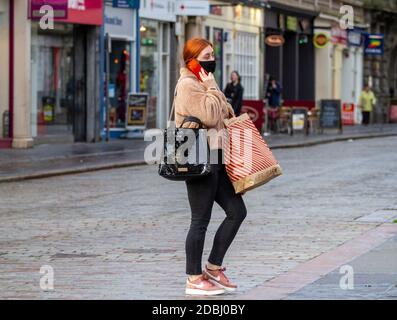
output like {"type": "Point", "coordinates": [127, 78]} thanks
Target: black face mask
{"type": "Point", "coordinates": [208, 66]}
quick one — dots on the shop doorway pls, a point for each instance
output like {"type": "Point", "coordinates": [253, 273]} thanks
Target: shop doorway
{"type": "Point", "coordinates": [119, 82]}
{"type": "Point", "coordinates": [155, 70]}
{"type": "Point", "coordinates": [52, 84]}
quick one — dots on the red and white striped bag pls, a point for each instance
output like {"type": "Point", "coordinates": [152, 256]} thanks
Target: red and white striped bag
{"type": "Point", "coordinates": [248, 160]}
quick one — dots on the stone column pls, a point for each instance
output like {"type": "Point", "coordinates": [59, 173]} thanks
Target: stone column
{"type": "Point", "coordinates": [22, 77]}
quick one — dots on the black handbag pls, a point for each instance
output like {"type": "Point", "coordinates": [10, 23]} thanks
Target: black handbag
{"type": "Point", "coordinates": [186, 153]}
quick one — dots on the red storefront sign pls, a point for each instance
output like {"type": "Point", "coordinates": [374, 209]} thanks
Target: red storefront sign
{"type": "Point", "coordinates": [78, 11]}
{"type": "Point", "coordinates": [348, 113]}
{"type": "Point", "coordinates": [254, 108]}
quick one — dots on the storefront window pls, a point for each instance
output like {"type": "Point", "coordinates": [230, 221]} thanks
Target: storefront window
{"type": "Point", "coordinates": [149, 67]}
{"type": "Point", "coordinates": [246, 63]}
{"type": "Point", "coordinates": [52, 80]}
{"type": "Point", "coordinates": [119, 82]}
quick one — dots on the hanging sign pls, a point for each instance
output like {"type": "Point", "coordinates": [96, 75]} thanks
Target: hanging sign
{"type": "Point", "coordinates": [274, 40]}
{"type": "Point", "coordinates": [338, 36]}
{"type": "Point", "coordinates": [354, 38]}
{"type": "Point", "coordinates": [373, 44]}
{"type": "Point", "coordinates": [292, 23]}
{"type": "Point", "coordinates": [320, 40]}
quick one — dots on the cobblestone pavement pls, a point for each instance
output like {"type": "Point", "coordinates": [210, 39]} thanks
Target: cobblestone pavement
{"type": "Point", "coordinates": [119, 234]}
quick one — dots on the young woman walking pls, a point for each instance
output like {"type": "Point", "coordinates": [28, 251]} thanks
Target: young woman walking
{"type": "Point", "coordinates": [198, 95]}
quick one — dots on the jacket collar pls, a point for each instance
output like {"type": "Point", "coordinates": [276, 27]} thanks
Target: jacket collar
{"type": "Point", "coordinates": [186, 73]}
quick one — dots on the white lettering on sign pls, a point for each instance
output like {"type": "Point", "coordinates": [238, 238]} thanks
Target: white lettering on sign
{"type": "Point", "coordinates": [77, 4]}
{"type": "Point", "coordinates": [114, 21]}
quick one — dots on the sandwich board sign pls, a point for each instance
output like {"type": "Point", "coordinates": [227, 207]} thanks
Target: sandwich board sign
{"type": "Point", "coordinates": [330, 115]}
{"type": "Point", "coordinates": [136, 117]}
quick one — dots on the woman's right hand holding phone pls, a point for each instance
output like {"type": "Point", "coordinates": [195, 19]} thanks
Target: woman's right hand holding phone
{"type": "Point", "coordinates": [207, 79]}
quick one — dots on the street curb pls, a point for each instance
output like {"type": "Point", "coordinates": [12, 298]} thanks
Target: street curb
{"type": "Point", "coordinates": [62, 172]}
{"type": "Point", "coordinates": [54, 173]}
{"type": "Point", "coordinates": [330, 140]}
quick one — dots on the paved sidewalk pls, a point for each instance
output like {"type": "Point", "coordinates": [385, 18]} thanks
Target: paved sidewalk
{"type": "Point", "coordinates": [373, 276]}
{"type": "Point", "coordinates": [55, 159]}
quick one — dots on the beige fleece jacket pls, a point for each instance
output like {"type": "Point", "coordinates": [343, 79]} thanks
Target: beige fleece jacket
{"type": "Point", "coordinates": [203, 100]}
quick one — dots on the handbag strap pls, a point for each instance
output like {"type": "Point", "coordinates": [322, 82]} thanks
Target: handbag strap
{"type": "Point", "coordinates": [173, 105]}
{"type": "Point", "coordinates": [192, 119]}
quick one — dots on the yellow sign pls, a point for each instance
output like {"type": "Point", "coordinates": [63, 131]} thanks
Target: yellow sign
{"type": "Point", "coordinates": [292, 23]}
{"type": "Point", "coordinates": [320, 40]}
{"type": "Point", "coordinates": [298, 121]}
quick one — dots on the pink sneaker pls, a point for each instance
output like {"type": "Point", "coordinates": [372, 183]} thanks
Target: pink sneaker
{"type": "Point", "coordinates": [218, 278]}
{"type": "Point", "coordinates": [202, 287]}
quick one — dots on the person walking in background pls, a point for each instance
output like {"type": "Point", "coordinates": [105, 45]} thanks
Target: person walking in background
{"type": "Point", "coordinates": [273, 95]}
{"type": "Point", "coordinates": [366, 104]}
{"type": "Point", "coordinates": [234, 92]}
{"type": "Point", "coordinates": [198, 95]}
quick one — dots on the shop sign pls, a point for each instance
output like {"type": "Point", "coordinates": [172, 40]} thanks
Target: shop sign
{"type": "Point", "coordinates": [354, 38]}
{"type": "Point", "coordinates": [292, 23]}
{"type": "Point", "coordinates": [338, 36]}
{"type": "Point", "coordinates": [215, 10]}
{"type": "Point", "coordinates": [195, 8]}
{"type": "Point", "coordinates": [373, 44]}
{"type": "Point", "coordinates": [84, 12]}
{"type": "Point", "coordinates": [60, 8]}
{"type": "Point", "coordinates": [274, 40]}
{"type": "Point", "coordinates": [320, 40]}
{"type": "Point", "coordinates": [126, 4]}
{"type": "Point", "coordinates": [162, 10]}
{"type": "Point", "coordinates": [119, 22]}
{"type": "Point", "coordinates": [348, 113]}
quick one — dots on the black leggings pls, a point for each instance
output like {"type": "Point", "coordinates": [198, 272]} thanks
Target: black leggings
{"type": "Point", "coordinates": [202, 193]}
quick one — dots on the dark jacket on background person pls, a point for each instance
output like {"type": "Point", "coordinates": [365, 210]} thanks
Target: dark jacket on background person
{"type": "Point", "coordinates": [274, 95]}
{"type": "Point", "coordinates": [234, 94]}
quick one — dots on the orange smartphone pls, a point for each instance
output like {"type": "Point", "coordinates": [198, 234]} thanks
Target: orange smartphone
{"type": "Point", "coordinates": [195, 67]}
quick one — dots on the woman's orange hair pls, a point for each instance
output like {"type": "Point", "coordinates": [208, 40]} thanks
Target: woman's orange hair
{"type": "Point", "coordinates": [193, 47]}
